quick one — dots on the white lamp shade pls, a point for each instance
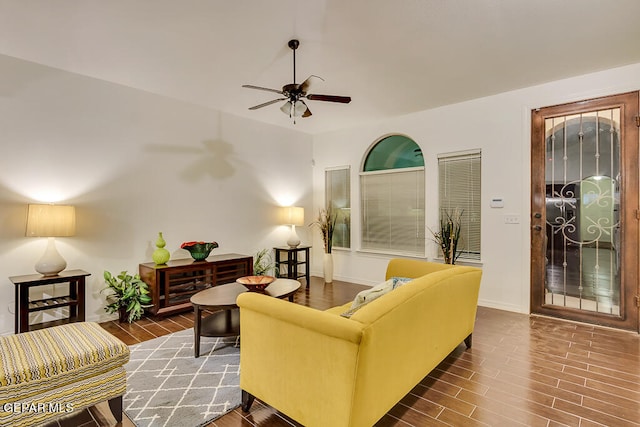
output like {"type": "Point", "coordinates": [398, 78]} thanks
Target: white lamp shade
{"type": "Point", "coordinates": [51, 221]}
{"type": "Point", "coordinates": [292, 215]}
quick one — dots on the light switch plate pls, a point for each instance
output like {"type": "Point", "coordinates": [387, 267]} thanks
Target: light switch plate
{"type": "Point", "coordinates": [512, 219]}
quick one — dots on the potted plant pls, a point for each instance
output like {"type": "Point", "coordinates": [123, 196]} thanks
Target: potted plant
{"type": "Point", "coordinates": [263, 263]}
{"type": "Point", "coordinates": [326, 223]}
{"type": "Point", "coordinates": [448, 236]}
{"type": "Point", "coordinates": [129, 296]}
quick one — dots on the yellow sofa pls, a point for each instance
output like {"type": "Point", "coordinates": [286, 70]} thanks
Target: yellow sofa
{"type": "Point", "coordinates": [322, 369]}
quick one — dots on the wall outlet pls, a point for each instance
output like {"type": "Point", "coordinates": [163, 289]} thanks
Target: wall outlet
{"type": "Point", "coordinates": [512, 219]}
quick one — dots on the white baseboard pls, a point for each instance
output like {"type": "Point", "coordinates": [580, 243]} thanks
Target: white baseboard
{"type": "Point", "coordinates": [357, 281]}
{"type": "Point", "coordinates": [501, 306]}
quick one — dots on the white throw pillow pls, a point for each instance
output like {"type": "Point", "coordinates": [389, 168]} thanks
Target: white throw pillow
{"type": "Point", "coordinates": [365, 297]}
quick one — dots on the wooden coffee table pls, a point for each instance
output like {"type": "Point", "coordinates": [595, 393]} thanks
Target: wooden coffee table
{"type": "Point", "coordinates": [225, 321]}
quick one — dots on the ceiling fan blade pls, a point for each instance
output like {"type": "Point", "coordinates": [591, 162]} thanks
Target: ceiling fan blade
{"type": "Point", "coordinates": [255, 107]}
{"type": "Point", "coordinates": [330, 98]}
{"type": "Point", "coordinates": [262, 88]}
{"type": "Point", "coordinates": [294, 93]}
{"type": "Point", "coordinates": [304, 86]}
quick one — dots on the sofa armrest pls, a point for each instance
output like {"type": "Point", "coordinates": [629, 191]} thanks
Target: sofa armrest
{"type": "Point", "coordinates": [297, 359]}
{"type": "Point", "coordinates": [301, 316]}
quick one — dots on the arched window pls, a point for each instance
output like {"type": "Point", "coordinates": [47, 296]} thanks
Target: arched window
{"type": "Point", "coordinates": [393, 152]}
{"type": "Point", "coordinates": [392, 197]}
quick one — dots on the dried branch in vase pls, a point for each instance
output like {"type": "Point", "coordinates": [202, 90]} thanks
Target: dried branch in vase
{"type": "Point", "coordinates": [326, 223]}
{"type": "Point", "coordinates": [448, 236]}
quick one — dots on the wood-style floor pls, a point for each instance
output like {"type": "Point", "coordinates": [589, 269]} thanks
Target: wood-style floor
{"type": "Point", "coordinates": [521, 370]}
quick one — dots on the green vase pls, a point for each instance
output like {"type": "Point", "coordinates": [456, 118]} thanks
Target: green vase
{"type": "Point", "coordinates": [160, 255]}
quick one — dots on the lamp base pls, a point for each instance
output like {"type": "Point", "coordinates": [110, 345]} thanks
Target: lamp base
{"type": "Point", "coordinates": [294, 240]}
{"type": "Point", "coordinates": [51, 262]}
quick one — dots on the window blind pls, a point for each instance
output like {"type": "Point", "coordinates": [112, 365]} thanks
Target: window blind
{"type": "Point", "coordinates": [393, 211]}
{"type": "Point", "coordinates": [459, 187]}
{"type": "Point", "coordinates": [338, 197]}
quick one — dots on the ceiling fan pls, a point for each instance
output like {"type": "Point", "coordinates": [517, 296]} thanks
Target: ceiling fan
{"type": "Point", "coordinates": [294, 93]}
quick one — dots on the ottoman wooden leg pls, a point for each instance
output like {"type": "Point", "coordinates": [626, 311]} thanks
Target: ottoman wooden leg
{"type": "Point", "coordinates": [115, 405]}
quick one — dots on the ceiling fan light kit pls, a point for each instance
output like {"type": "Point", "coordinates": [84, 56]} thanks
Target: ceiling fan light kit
{"type": "Point", "coordinates": [296, 109]}
{"type": "Point", "coordinates": [294, 93]}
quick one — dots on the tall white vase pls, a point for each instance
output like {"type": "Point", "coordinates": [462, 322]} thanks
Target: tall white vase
{"type": "Point", "coordinates": [327, 268]}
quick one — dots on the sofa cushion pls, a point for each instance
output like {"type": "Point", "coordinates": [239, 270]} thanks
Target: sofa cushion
{"type": "Point", "coordinates": [365, 297]}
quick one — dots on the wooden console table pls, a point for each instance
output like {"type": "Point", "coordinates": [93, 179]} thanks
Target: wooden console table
{"type": "Point", "coordinates": [74, 300]}
{"type": "Point", "coordinates": [172, 285]}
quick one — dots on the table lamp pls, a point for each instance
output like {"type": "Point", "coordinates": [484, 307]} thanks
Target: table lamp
{"type": "Point", "coordinates": [292, 215]}
{"type": "Point", "coordinates": [51, 221]}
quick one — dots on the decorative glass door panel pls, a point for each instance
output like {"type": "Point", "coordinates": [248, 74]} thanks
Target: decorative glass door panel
{"type": "Point", "coordinates": [582, 180]}
{"type": "Point", "coordinates": [584, 211]}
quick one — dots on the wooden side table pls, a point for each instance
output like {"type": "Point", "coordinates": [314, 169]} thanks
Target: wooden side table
{"type": "Point", "coordinates": [74, 300]}
{"type": "Point", "coordinates": [291, 260]}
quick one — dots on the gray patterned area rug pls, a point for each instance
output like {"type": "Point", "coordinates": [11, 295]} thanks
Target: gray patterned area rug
{"type": "Point", "coordinates": [167, 386]}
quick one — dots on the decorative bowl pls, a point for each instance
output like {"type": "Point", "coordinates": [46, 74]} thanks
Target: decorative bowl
{"type": "Point", "coordinates": [199, 250]}
{"type": "Point", "coordinates": [256, 283]}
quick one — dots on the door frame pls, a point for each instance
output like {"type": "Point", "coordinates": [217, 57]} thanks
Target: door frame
{"type": "Point", "coordinates": [629, 104]}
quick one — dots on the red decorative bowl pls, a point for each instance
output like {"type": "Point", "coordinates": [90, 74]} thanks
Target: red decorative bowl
{"type": "Point", "coordinates": [256, 283]}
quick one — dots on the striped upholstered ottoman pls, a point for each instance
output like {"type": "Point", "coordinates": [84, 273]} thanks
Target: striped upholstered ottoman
{"type": "Point", "coordinates": [49, 373]}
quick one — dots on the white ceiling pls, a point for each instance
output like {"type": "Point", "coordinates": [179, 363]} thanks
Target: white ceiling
{"type": "Point", "coordinates": [391, 56]}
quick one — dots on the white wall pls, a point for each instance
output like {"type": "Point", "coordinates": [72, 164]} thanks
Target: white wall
{"type": "Point", "coordinates": [500, 126]}
{"type": "Point", "coordinates": [134, 164]}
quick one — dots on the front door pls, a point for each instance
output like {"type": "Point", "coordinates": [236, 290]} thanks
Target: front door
{"type": "Point", "coordinates": [584, 211]}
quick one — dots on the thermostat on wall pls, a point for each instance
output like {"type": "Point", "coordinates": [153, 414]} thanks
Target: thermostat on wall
{"type": "Point", "coordinates": [497, 202]}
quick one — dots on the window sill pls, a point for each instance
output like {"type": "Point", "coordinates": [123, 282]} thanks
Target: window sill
{"type": "Point", "coordinates": [391, 254]}
{"type": "Point", "coordinates": [462, 261]}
